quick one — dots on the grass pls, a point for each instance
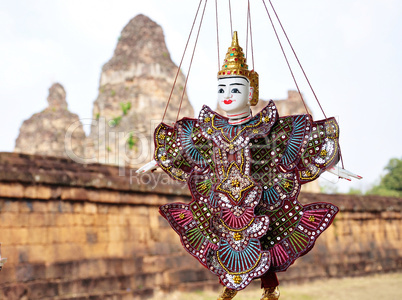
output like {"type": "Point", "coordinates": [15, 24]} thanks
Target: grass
{"type": "Point", "coordinates": [384, 286]}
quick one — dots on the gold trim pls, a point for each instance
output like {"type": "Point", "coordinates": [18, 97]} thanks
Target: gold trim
{"type": "Point", "coordinates": [237, 230]}
{"type": "Point", "coordinates": [241, 131]}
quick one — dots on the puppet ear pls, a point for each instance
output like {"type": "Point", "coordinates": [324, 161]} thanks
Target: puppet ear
{"type": "Point", "coordinates": [250, 94]}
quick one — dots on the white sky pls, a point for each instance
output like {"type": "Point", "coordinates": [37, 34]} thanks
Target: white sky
{"type": "Point", "coordinates": [351, 51]}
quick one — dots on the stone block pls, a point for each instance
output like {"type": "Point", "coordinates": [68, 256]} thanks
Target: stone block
{"type": "Point", "coordinates": [37, 192]}
{"type": "Point", "coordinates": [18, 236]}
{"type": "Point", "coordinates": [15, 291]}
{"type": "Point", "coordinates": [66, 270]}
{"type": "Point", "coordinates": [103, 208]}
{"type": "Point", "coordinates": [41, 290]}
{"type": "Point", "coordinates": [39, 206]}
{"type": "Point", "coordinates": [10, 252]}
{"type": "Point", "coordinates": [64, 219]}
{"type": "Point", "coordinates": [89, 219]}
{"type": "Point", "coordinates": [65, 252]}
{"type": "Point", "coordinates": [8, 219]}
{"type": "Point", "coordinates": [113, 219]}
{"type": "Point", "coordinates": [100, 220]}
{"type": "Point", "coordinates": [115, 249]}
{"type": "Point", "coordinates": [90, 208]}
{"type": "Point", "coordinates": [8, 274]}
{"type": "Point", "coordinates": [68, 287]}
{"type": "Point", "coordinates": [37, 235]}
{"type": "Point", "coordinates": [127, 210]}
{"type": "Point", "coordinates": [11, 190]}
{"type": "Point", "coordinates": [102, 234]}
{"type": "Point", "coordinates": [97, 250]}
{"type": "Point", "coordinates": [78, 207]}
{"type": "Point", "coordinates": [37, 219]}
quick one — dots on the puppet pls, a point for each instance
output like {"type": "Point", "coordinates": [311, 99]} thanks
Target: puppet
{"type": "Point", "coordinates": [245, 173]}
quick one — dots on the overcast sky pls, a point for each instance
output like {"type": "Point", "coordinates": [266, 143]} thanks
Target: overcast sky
{"type": "Point", "coordinates": [351, 51]}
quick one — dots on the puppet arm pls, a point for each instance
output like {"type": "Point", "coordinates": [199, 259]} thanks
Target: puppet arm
{"type": "Point", "coordinates": [148, 167]}
{"type": "Point", "coordinates": [342, 173]}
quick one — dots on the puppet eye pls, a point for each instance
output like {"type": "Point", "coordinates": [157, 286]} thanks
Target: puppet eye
{"type": "Point", "coordinates": [221, 91]}
{"type": "Point", "coordinates": [235, 91]}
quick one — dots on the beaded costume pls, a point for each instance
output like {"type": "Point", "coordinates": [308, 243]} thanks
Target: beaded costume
{"type": "Point", "coordinates": [244, 218]}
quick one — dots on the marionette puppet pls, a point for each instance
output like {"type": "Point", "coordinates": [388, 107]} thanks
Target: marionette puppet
{"type": "Point", "coordinates": [244, 173]}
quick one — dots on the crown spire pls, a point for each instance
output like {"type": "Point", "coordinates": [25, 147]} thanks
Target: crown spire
{"type": "Point", "coordinates": [235, 40]}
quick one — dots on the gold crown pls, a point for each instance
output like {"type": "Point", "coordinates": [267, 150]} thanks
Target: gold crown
{"type": "Point", "coordinates": [235, 65]}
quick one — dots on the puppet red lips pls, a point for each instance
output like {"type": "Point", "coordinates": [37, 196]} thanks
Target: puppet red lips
{"type": "Point", "coordinates": [227, 101]}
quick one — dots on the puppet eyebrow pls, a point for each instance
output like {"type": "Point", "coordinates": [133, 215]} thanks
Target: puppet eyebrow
{"type": "Point", "coordinates": [221, 84]}
{"type": "Point", "coordinates": [235, 83]}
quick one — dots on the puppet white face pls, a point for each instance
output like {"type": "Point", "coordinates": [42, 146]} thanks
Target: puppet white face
{"type": "Point", "coordinates": [234, 94]}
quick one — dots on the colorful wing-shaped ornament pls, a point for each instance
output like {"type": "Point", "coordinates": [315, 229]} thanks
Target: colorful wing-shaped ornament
{"type": "Point", "coordinates": [181, 149]}
{"type": "Point", "coordinates": [322, 151]}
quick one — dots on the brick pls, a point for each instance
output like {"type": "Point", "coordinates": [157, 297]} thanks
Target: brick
{"type": "Point", "coordinates": [40, 290]}
{"type": "Point", "coordinates": [54, 206]}
{"type": "Point", "coordinates": [78, 207]}
{"type": "Point", "coordinates": [37, 235]}
{"type": "Point", "coordinates": [37, 219]}
{"type": "Point", "coordinates": [89, 219]}
{"type": "Point", "coordinates": [8, 274]}
{"type": "Point", "coordinates": [127, 210]}
{"type": "Point", "coordinates": [37, 254]}
{"type": "Point", "coordinates": [39, 206]}
{"type": "Point", "coordinates": [100, 220]}
{"type": "Point", "coordinates": [78, 219]}
{"type": "Point", "coordinates": [112, 220]}
{"type": "Point", "coordinates": [8, 219]}
{"type": "Point", "coordinates": [66, 207]}
{"type": "Point", "coordinates": [115, 234]}
{"type": "Point", "coordinates": [18, 236]}
{"type": "Point", "coordinates": [25, 206]}
{"type": "Point", "coordinates": [103, 234]}
{"type": "Point", "coordinates": [103, 208]}
{"type": "Point", "coordinates": [77, 234]}
{"type": "Point", "coordinates": [11, 253]}
{"type": "Point", "coordinates": [64, 219]}
{"type": "Point", "coordinates": [90, 208]}
{"type": "Point", "coordinates": [23, 254]}
{"type": "Point", "coordinates": [66, 252]}
{"type": "Point", "coordinates": [11, 206]}
{"type": "Point", "coordinates": [97, 250]}
{"type": "Point", "coordinates": [115, 249]}
{"type": "Point", "coordinates": [23, 219]}
{"type": "Point", "coordinates": [38, 192]}
{"type": "Point", "coordinates": [11, 190]}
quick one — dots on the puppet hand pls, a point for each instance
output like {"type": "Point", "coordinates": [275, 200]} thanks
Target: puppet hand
{"type": "Point", "coordinates": [2, 262]}
{"type": "Point", "coordinates": [151, 166]}
{"type": "Point", "coordinates": [342, 173]}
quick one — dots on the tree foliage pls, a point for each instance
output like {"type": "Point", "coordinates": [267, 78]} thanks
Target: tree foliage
{"type": "Point", "coordinates": [391, 182]}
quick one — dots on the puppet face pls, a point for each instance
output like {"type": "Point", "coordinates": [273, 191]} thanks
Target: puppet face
{"type": "Point", "coordinates": [234, 94]}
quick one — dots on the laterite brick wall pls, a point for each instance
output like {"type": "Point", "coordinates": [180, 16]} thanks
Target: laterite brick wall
{"type": "Point", "coordinates": [74, 231]}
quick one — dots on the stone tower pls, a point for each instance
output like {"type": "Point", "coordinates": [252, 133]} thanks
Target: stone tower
{"type": "Point", "coordinates": [55, 131]}
{"type": "Point", "coordinates": [134, 87]}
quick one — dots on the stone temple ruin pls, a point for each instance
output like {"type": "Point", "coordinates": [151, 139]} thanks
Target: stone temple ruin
{"type": "Point", "coordinates": [44, 133]}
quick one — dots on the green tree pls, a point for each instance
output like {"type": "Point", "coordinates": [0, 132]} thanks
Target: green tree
{"type": "Point", "coordinates": [391, 182]}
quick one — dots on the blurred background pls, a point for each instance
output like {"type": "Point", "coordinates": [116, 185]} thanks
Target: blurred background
{"type": "Point", "coordinates": [83, 84]}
